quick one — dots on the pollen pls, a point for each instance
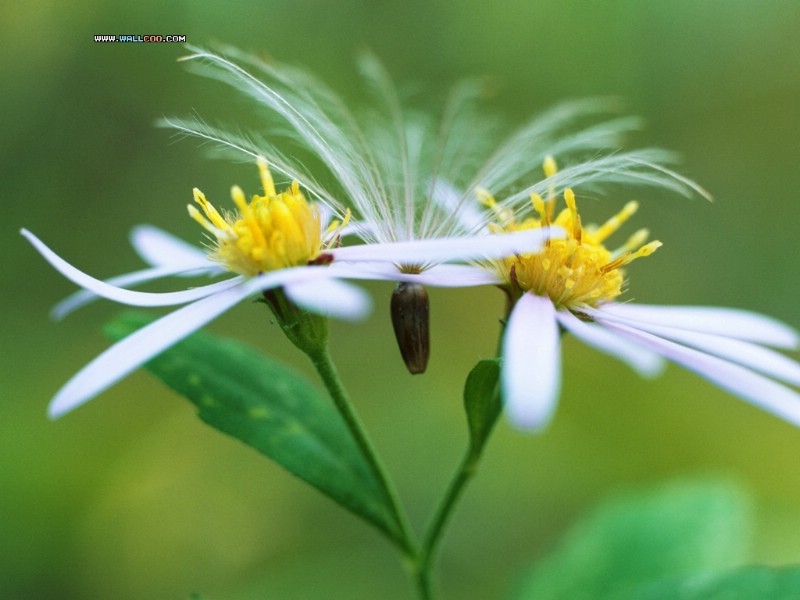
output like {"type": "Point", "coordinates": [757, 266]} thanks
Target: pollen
{"type": "Point", "coordinates": [270, 232]}
{"type": "Point", "coordinates": [575, 271]}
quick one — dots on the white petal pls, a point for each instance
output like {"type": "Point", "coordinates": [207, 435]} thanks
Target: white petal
{"type": "Point", "coordinates": [642, 361]}
{"type": "Point", "coordinates": [531, 374]}
{"type": "Point", "coordinates": [130, 353]}
{"type": "Point", "coordinates": [331, 297]}
{"type": "Point", "coordinates": [124, 296]}
{"type": "Point", "coordinates": [452, 201]}
{"type": "Point", "coordinates": [747, 354]}
{"type": "Point", "coordinates": [744, 383]}
{"type": "Point", "coordinates": [159, 249]}
{"type": "Point", "coordinates": [78, 299]}
{"type": "Point", "coordinates": [422, 252]}
{"type": "Point", "coordinates": [437, 276]}
{"type": "Point", "coordinates": [731, 322]}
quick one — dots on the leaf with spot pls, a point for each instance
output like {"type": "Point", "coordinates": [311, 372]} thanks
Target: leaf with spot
{"type": "Point", "coordinates": [272, 409]}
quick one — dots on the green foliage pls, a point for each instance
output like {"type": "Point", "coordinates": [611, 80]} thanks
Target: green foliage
{"type": "Point", "coordinates": [747, 583]}
{"type": "Point", "coordinates": [482, 402]}
{"type": "Point", "coordinates": [673, 533]}
{"type": "Point", "coordinates": [272, 409]}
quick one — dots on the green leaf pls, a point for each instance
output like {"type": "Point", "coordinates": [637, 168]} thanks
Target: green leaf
{"type": "Point", "coordinates": [270, 408]}
{"type": "Point", "coordinates": [748, 583]}
{"type": "Point", "coordinates": [482, 402]}
{"type": "Point", "coordinates": [683, 528]}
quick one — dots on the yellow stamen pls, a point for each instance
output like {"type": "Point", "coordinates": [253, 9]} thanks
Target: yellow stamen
{"type": "Point", "coordinates": [273, 231]}
{"type": "Point", "coordinates": [569, 198]}
{"type": "Point", "coordinates": [504, 215]}
{"type": "Point", "coordinates": [615, 222]}
{"type": "Point", "coordinates": [636, 240]}
{"type": "Point", "coordinates": [267, 183]}
{"type": "Point", "coordinates": [549, 166]}
{"type": "Point", "coordinates": [195, 214]}
{"type": "Point", "coordinates": [211, 212]}
{"type": "Point", "coordinates": [576, 271]}
{"type": "Point", "coordinates": [539, 207]}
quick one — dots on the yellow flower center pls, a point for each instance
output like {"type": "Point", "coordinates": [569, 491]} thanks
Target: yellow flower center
{"type": "Point", "coordinates": [577, 270]}
{"type": "Point", "coordinates": [271, 232]}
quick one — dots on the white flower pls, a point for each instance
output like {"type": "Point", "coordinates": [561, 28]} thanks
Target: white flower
{"type": "Point", "coordinates": [403, 175]}
{"type": "Point", "coordinates": [572, 286]}
{"type": "Point", "coordinates": [275, 240]}
{"type": "Point", "coordinates": [407, 177]}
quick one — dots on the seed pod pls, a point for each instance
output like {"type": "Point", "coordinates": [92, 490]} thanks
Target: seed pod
{"type": "Point", "coordinates": [410, 318]}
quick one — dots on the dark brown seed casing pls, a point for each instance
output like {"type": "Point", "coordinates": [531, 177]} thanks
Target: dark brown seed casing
{"type": "Point", "coordinates": [411, 321]}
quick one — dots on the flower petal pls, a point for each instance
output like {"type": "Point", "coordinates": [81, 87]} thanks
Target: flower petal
{"type": "Point", "coordinates": [637, 358]}
{"type": "Point", "coordinates": [75, 301]}
{"type": "Point", "coordinates": [731, 322]}
{"type": "Point", "coordinates": [427, 251]}
{"type": "Point", "coordinates": [744, 353]}
{"type": "Point", "coordinates": [452, 201]}
{"type": "Point", "coordinates": [330, 297]}
{"type": "Point", "coordinates": [744, 383]}
{"type": "Point", "coordinates": [118, 294]}
{"type": "Point", "coordinates": [438, 275]}
{"type": "Point", "coordinates": [136, 349]}
{"type": "Point", "coordinates": [531, 375]}
{"type": "Point", "coordinates": [130, 353]}
{"type": "Point", "coordinates": [161, 249]}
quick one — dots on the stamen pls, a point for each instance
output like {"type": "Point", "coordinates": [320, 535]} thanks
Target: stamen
{"type": "Point", "coordinates": [569, 198]}
{"type": "Point", "coordinates": [239, 199]}
{"type": "Point", "coordinates": [550, 167]}
{"type": "Point", "coordinates": [629, 257]}
{"type": "Point", "coordinates": [195, 214]}
{"type": "Point", "coordinates": [635, 241]}
{"type": "Point", "coordinates": [210, 211]}
{"type": "Point", "coordinates": [334, 230]}
{"type": "Point", "coordinates": [485, 198]}
{"type": "Point", "coordinates": [647, 249]}
{"type": "Point", "coordinates": [267, 182]}
{"type": "Point", "coordinates": [270, 232]}
{"type": "Point", "coordinates": [577, 270]}
{"type": "Point", "coordinates": [616, 221]}
{"type": "Point", "coordinates": [539, 207]}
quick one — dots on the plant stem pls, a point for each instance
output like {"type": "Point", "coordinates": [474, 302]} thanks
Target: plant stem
{"type": "Point", "coordinates": [323, 363]}
{"type": "Point", "coordinates": [433, 535]}
{"type": "Point", "coordinates": [465, 472]}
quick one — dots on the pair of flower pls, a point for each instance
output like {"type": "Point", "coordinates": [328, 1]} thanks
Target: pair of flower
{"type": "Point", "coordinates": [405, 184]}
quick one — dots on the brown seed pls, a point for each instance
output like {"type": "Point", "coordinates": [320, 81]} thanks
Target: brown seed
{"type": "Point", "coordinates": [411, 321]}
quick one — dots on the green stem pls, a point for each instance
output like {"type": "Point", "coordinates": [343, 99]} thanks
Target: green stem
{"type": "Point", "coordinates": [323, 363]}
{"type": "Point", "coordinates": [465, 472]}
{"type": "Point", "coordinates": [433, 535]}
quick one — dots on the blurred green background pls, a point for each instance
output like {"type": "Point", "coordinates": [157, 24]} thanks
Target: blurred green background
{"type": "Point", "coordinates": [132, 497]}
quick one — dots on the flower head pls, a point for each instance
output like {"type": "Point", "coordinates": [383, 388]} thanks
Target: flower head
{"type": "Point", "coordinates": [273, 241]}
{"type": "Point", "coordinates": [273, 231]}
{"type": "Point", "coordinates": [573, 285]}
{"type": "Point", "coordinates": [577, 270]}
{"type": "Point", "coordinates": [407, 177]}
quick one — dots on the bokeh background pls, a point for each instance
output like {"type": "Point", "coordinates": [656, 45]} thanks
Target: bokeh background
{"type": "Point", "coordinates": [132, 497]}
